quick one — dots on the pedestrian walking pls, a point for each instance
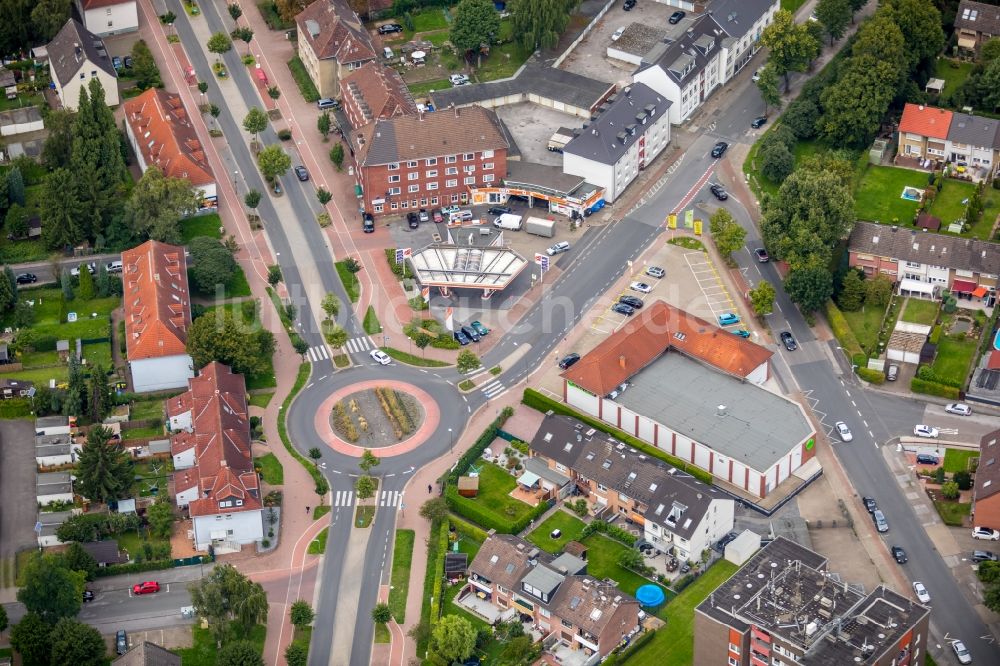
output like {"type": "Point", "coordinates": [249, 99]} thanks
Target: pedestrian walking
{"type": "Point", "coordinates": [307, 509]}
{"type": "Point", "coordinates": [430, 489]}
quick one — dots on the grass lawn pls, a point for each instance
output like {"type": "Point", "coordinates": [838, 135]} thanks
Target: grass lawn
{"type": "Point", "coordinates": [200, 225]}
{"type": "Point", "coordinates": [371, 324]}
{"type": "Point", "coordinates": [320, 511]}
{"type": "Point", "coordinates": [879, 197]}
{"type": "Point", "coordinates": [866, 324]}
{"type": "Point", "coordinates": [318, 545]}
{"type": "Point", "coordinates": [364, 515]}
{"type": "Point", "coordinates": [22, 101]}
{"type": "Point", "coordinates": [349, 280]}
{"type": "Point", "coordinates": [412, 359]}
{"type": "Point", "coordinates": [429, 19]}
{"type": "Point", "coordinates": [957, 460]}
{"type": "Point", "coordinates": [602, 562]}
{"type": "Point", "coordinates": [952, 513]}
{"type": "Point", "coordinates": [503, 60]}
{"type": "Point", "coordinates": [382, 634]}
{"type": "Point", "coordinates": [948, 206]}
{"type": "Point", "coordinates": [132, 542]}
{"type": "Point", "coordinates": [953, 72]}
{"type": "Point", "coordinates": [494, 484]}
{"type": "Point", "coordinates": [919, 311]}
{"type": "Point", "coordinates": [203, 651]}
{"type": "Point", "coordinates": [271, 470]}
{"type": "Point", "coordinates": [418, 89]}
{"type": "Point", "coordinates": [402, 556]}
{"type": "Point", "coordinates": [437, 38]}
{"type": "Point", "coordinates": [792, 5]}
{"type": "Point", "coordinates": [143, 433]}
{"type": "Point", "coordinates": [15, 252]}
{"type": "Point", "coordinates": [954, 354]}
{"type": "Point", "coordinates": [146, 409]}
{"type": "Point", "coordinates": [991, 208]}
{"type": "Point", "coordinates": [687, 243]}
{"type": "Point", "coordinates": [673, 645]}
{"type": "Point", "coordinates": [263, 380]}
{"type": "Point", "coordinates": [261, 399]}
{"type": "Point", "coordinates": [571, 528]}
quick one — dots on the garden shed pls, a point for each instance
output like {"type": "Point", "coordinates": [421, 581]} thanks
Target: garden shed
{"type": "Point", "coordinates": [906, 341]}
{"type": "Point", "coordinates": [468, 486]}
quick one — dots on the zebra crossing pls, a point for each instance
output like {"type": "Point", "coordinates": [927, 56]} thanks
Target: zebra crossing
{"type": "Point", "coordinates": [494, 389]}
{"type": "Point", "coordinates": [357, 345]}
{"type": "Point", "coordinates": [318, 353]}
{"type": "Point", "coordinates": [386, 498]}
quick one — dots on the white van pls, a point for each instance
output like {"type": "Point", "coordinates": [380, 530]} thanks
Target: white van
{"type": "Point", "coordinates": [508, 221]}
{"type": "Point", "coordinates": [114, 266]}
{"type": "Point", "coordinates": [387, 53]}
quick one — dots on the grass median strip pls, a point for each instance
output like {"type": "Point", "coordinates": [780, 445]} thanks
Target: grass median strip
{"type": "Point", "coordinates": [318, 545]}
{"type": "Point", "coordinates": [402, 556]}
{"type": "Point", "coordinates": [410, 359]}
{"type": "Point", "coordinates": [350, 281]}
{"type": "Point", "coordinates": [371, 323]}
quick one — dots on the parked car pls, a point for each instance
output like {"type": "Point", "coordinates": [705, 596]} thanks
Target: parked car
{"type": "Point", "coordinates": [762, 255]}
{"type": "Point", "coordinates": [742, 332]}
{"type": "Point", "coordinates": [719, 149]}
{"type": "Point", "coordinates": [923, 596]}
{"type": "Point", "coordinates": [655, 271]}
{"type": "Point", "coordinates": [621, 308]}
{"type": "Point", "coordinates": [121, 642]}
{"type": "Point", "coordinates": [983, 556]}
{"type": "Point", "coordinates": [558, 248]}
{"type": "Point", "coordinates": [632, 301]}
{"type": "Point", "coordinates": [380, 357]}
{"type": "Point", "coordinates": [470, 333]}
{"type": "Point", "coordinates": [91, 267]}
{"type": "Point", "coordinates": [448, 210]}
{"type": "Point", "coordinates": [719, 192]}
{"type": "Point", "coordinates": [146, 587]}
{"type": "Point", "coordinates": [458, 79]}
{"type": "Point", "coordinates": [898, 554]}
{"type": "Point", "coordinates": [758, 122]}
{"type": "Point", "coordinates": [869, 503]}
{"type": "Point", "coordinates": [927, 459]}
{"type": "Point", "coordinates": [641, 287]}
{"type": "Point", "coordinates": [461, 216]}
{"type": "Point", "coordinates": [728, 319]}
{"type": "Point", "coordinates": [756, 76]}
{"type": "Point", "coordinates": [436, 215]}
{"type": "Point", "coordinates": [568, 360]}
{"type": "Point", "coordinates": [301, 173]}
{"type": "Point", "coordinates": [88, 595]}
{"type": "Point", "coordinates": [987, 533]}
{"type": "Point", "coordinates": [27, 278]}
{"type": "Point", "coordinates": [789, 341]}
{"type": "Point", "coordinates": [115, 266]}
{"type": "Point", "coordinates": [327, 103]}
{"type": "Point", "coordinates": [500, 210]}
{"type": "Point", "coordinates": [959, 408]}
{"type": "Point", "coordinates": [925, 431]}
{"type": "Point", "coordinates": [961, 652]}
{"type": "Point", "coordinates": [893, 373]}
{"type": "Point", "coordinates": [367, 223]}
{"type": "Point", "coordinates": [617, 33]}
{"type": "Point", "coordinates": [843, 431]}
{"type": "Point", "coordinates": [276, 187]}
{"type": "Point", "coordinates": [389, 28]}
{"type": "Point", "coordinates": [424, 215]}
{"type": "Point", "coordinates": [479, 328]}
{"type": "Point", "coordinates": [629, 4]}
{"type": "Point", "coordinates": [881, 524]}
{"type": "Point", "coordinates": [675, 18]}
{"type": "Point", "coordinates": [461, 337]}
{"type": "Point", "coordinates": [412, 220]}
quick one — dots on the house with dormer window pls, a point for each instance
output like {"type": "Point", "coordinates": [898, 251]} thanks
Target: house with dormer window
{"type": "Point", "coordinates": [332, 41]}
{"type": "Point", "coordinates": [215, 478]}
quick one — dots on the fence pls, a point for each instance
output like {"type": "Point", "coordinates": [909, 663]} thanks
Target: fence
{"type": "Point", "coordinates": [586, 31]}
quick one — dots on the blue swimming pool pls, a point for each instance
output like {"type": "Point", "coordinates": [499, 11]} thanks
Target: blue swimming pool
{"type": "Point", "coordinates": [996, 340]}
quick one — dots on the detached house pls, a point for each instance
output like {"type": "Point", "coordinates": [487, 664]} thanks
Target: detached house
{"type": "Point", "coordinates": [76, 56]}
{"type": "Point", "coordinates": [157, 307]}
{"type": "Point", "coordinates": [332, 42]}
{"type": "Point", "coordinates": [160, 131]}
{"type": "Point", "coordinates": [109, 17]}
{"type": "Point", "coordinates": [678, 513]}
{"type": "Point", "coordinates": [215, 478]}
{"type": "Point", "coordinates": [976, 23]}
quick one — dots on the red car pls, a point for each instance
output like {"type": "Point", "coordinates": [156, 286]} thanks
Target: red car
{"type": "Point", "coordinates": [147, 587]}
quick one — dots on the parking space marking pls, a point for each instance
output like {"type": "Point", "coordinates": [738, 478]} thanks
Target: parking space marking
{"type": "Point", "coordinates": [712, 288]}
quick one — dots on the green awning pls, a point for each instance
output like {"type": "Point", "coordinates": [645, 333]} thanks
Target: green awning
{"type": "Point", "coordinates": [357, 191]}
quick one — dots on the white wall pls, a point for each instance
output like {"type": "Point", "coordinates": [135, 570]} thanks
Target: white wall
{"type": "Point", "coordinates": [597, 173]}
{"type": "Point", "coordinates": [181, 421]}
{"type": "Point", "coordinates": [69, 94]}
{"type": "Point", "coordinates": [45, 500]}
{"type": "Point", "coordinates": [48, 461]}
{"type": "Point", "coordinates": [246, 527]}
{"type": "Point", "coordinates": [112, 20]}
{"type": "Point", "coordinates": [759, 374]}
{"type": "Point", "coordinates": [185, 497]}
{"type": "Point", "coordinates": [158, 374]}
{"type": "Point", "coordinates": [22, 128]}
{"type": "Point", "coordinates": [184, 459]}
{"type": "Point", "coordinates": [53, 430]}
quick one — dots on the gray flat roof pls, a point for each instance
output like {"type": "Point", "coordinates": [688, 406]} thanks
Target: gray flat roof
{"type": "Point", "coordinates": [759, 428]}
{"type": "Point", "coordinates": [539, 468]}
{"type": "Point", "coordinates": [639, 38]}
{"type": "Point", "coordinates": [544, 176]}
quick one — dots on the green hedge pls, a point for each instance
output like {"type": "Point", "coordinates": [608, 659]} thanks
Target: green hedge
{"type": "Point", "coordinates": [871, 376]}
{"type": "Point", "coordinates": [621, 657]}
{"type": "Point", "coordinates": [440, 543]}
{"type": "Point", "coordinates": [927, 373]}
{"type": "Point", "coordinates": [118, 569]}
{"type": "Point", "coordinates": [402, 271]}
{"type": "Point", "coordinates": [935, 336]}
{"type": "Point", "coordinates": [287, 323]}
{"type": "Point", "coordinates": [536, 400]}
{"type": "Point", "coordinates": [302, 80]}
{"type": "Point", "coordinates": [322, 485]}
{"type": "Point", "coordinates": [468, 529]}
{"type": "Point", "coordinates": [842, 331]}
{"type": "Point", "coordinates": [15, 408]}
{"type": "Point", "coordinates": [487, 518]}
{"type": "Point", "coordinates": [933, 388]}
{"type": "Point", "coordinates": [476, 451]}
{"type": "Point", "coordinates": [613, 531]}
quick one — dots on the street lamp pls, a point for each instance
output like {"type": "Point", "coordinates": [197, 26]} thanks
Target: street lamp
{"type": "Point", "coordinates": [236, 188]}
{"type": "Point", "coordinates": [451, 435]}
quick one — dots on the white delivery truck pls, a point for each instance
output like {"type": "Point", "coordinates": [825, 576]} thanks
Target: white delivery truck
{"type": "Point", "coordinates": [559, 139]}
{"type": "Point", "coordinates": [508, 221]}
{"type": "Point", "coordinates": [540, 227]}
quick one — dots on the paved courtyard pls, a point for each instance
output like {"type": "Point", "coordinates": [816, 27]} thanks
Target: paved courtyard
{"type": "Point", "coordinates": [532, 126]}
{"type": "Point", "coordinates": [17, 492]}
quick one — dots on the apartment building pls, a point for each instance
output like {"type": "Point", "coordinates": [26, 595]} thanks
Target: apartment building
{"type": "Point", "coordinates": [373, 92]}
{"type": "Point", "coordinates": [332, 41]}
{"type": "Point", "coordinates": [428, 159]}
{"type": "Point", "coordinates": [986, 493]}
{"type": "Point", "coordinates": [109, 17]}
{"type": "Point", "coordinates": [76, 56]}
{"type": "Point", "coordinates": [743, 22]}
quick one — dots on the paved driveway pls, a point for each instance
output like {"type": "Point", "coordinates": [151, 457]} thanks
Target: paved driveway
{"type": "Point", "coordinates": [17, 492]}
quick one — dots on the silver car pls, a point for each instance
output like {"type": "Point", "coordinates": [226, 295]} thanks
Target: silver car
{"type": "Point", "coordinates": [843, 431]}
{"type": "Point", "coordinates": [655, 271]}
{"type": "Point", "coordinates": [558, 248]}
{"type": "Point", "coordinates": [959, 408]}
{"type": "Point", "coordinates": [961, 652]}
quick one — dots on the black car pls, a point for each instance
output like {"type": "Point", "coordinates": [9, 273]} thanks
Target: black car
{"type": "Point", "coordinates": [621, 308]}
{"type": "Point", "coordinates": [413, 220]}
{"type": "Point", "coordinates": [629, 4]}
{"type": "Point", "coordinates": [983, 556]}
{"type": "Point", "coordinates": [631, 301]}
{"type": "Point", "coordinates": [898, 554]}
{"type": "Point", "coordinates": [758, 122]}
{"type": "Point", "coordinates": [26, 278]}
{"type": "Point", "coordinates": [461, 337]}
{"type": "Point", "coordinates": [501, 210]}
{"type": "Point", "coordinates": [719, 149]}
{"type": "Point", "coordinates": [788, 341]}
{"type": "Point", "coordinates": [675, 18]}
{"type": "Point", "coordinates": [301, 173]}
{"type": "Point", "coordinates": [869, 503]}
{"type": "Point", "coordinates": [470, 333]}
{"type": "Point", "coordinates": [389, 28]}
{"type": "Point", "coordinates": [88, 596]}
{"type": "Point", "coordinates": [121, 642]}
{"type": "Point", "coordinates": [128, 62]}
{"type": "Point", "coordinates": [568, 360]}
{"type": "Point", "coordinates": [368, 223]}
{"type": "Point", "coordinates": [719, 192]}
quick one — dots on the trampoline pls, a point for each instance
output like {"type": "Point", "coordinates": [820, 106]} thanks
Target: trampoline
{"type": "Point", "coordinates": [650, 595]}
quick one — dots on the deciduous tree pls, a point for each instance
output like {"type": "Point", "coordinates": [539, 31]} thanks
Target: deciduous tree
{"type": "Point", "coordinates": [51, 590]}
{"type": "Point", "coordinates": [434, 509]}
{"type": "Point", "coordinates": [365, 487]}
{"type": "Point", "coordinates": [330, 305]}
{"type": "Point", "coordinates": [726, 232]}
{"type": "Point", "coordinates": [878, 291]}
{"type": "Point", "coordinates": [337, 155]}
{"type": "Point", "coordinates": [368, 461]}
{"type": "Point", "coordinates": [834, 15]}
{"type": "Point", "coordinates": [76, 558]}
{"type": "Point", "coordinates": [212, 264]}
{"type": "Point", "coordinates": [323, 125]}
{"type": "Point", "coordinates": [49, 16]}
{"type": "Point", "coordinates": [144, 69]}
{"type": "Point", "coordinates": [273, 162]}
{"type": "Point", "coordinates": [920, 23]}
{"type": "Point", "coordinates": [776, 162]}
{"type": "Point", "coordinates": [239, 653]}
{"type": "Point", "coordinates": [156, 204]}
{"type": "Point", "coordinates": [58, 147]}
{"type": "Point", "coordinates": [16, 221]}
{"type": "Point", "coordinates": [161, 518]}
{"type": "Point", "coordinates": [852, 292]}
{"type": "Point", "coordinates": [228, 341]}
{"type": "Point", "coordinates": [30, 637]}
{"type": "Point", "coordinates": [301, 614]}
{"type": "Point", "coordinates": [255, 122]}
{"type": "Point", "coordinates": [791, 45]}
{"type": "Point", "coordinates": [296, 654]}
{"type": "Point", "coordinates": [227, 595]}
{"type": "Point", "coordinates": [767, 83]}
{"type": "Point", "coordinates": [453, 638]}
{"type": "Point", "coordinates": [244, 34]}
{"type": "Point", "coordinates": [540, 22]}
{"type": "Point", "coordinates": [762, 298]}
{"type": "Point", "coordinates": [809, 287]}
{"type": "Point", "coordinates": [219, 43]}
{"type": "Point", "coordinates": [855, 105]}
{"type": "Point", "coordinates": [74, 642]}
{"type": "Point", "coordinates": [476, 23]}
{"type": "Point", "coordinates": [467, 361]}
{"type": "Point", "coordinates": [104, 472]}
{"type": "Point", "coordinates": [235, 11]}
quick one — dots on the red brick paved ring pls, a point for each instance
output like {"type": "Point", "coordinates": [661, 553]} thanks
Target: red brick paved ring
{"type": "Point", "coordinates": [432, 418]}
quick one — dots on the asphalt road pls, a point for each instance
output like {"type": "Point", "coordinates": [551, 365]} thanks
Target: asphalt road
{"type": "Point", "coordinates": [46, 270]}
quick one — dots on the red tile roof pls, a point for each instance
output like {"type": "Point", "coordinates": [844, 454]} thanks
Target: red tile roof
{"type": "Point", "coordinates": [220, 435]}
{"type": "Point", "coordinates": [333, 30]}
{"type": "Point", "coordinates": [657, 328]}
{"type": "Point", "coordinates": [373, 92]}
{"type": "Point", "coordinates": [925, 121]}
{"type": "Point", "coordinates": [163, 133]}
{"type": "Point", "coordinates": [993, 363]}
{"type": "Point", "coordinates": [157, 301]}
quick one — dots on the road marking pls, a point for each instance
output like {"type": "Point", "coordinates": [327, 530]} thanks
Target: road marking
{"type": "Point", "coordinates": [343, 498]}
{"type": "Point", "coordinates": [318, 353]}
{"type": "Point", "coordinates": [390, 497]}
{"type": "Point", "coordinates": [358, 345]}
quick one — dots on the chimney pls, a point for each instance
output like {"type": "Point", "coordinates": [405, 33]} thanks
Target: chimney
{"type": "Point", "coordinates": [420, 114]}
{"type": "Point", "coordinates": [456, 112]}
{"type": "Point", "coordinates": [621, 361]}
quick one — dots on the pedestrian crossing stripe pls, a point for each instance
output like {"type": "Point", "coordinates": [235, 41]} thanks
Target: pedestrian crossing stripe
{"type": "Point", "coordinates": [343, 498]}
{"type": "Point", "coordinates": [385, 498]}
{"type": "Point", "coordinates": [318, 353]}
{"type": "Point", "coordinates": [358, 345]}
{"type": "Point", "coordinates": [390, 497]}
{"type": "Point", "coordinates": [493, 388]}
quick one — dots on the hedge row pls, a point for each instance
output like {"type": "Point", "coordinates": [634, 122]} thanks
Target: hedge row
{"type": "Point", "coordinates": [439, 544]}
{"type": "Point", "coordinates": [486, 517]}
{"type": "Point", "coordinates": [322, 486]}
{"type": "Point", "coordinates": [927, 373]}
{"type": "Point", "coordinates": [135, 567]}
{"type": "Point", "coordinates": [933, 388]}
{"type": "Point", "coordinates": [842, 331]}
{"type": "Point", "coordinates": [536, 400]}
{"type": "Point", "coordinates": [466, 528]}
{"type": "Point", "coordinates": [871, 376]}
{"type": "Point", "coordinates": [613, 531]}
{"type": "Point", "coordinates": [476, 450]}
{"type": "Point", "coordinates": [621, 657]}
{"type": "Point", "coordinates": [402, 271]}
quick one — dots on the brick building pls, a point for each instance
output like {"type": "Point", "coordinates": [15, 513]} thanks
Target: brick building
{"type": "Point", "coordinates": [428, 159]}
{"type": "Point", "coordinates": [986, 494]}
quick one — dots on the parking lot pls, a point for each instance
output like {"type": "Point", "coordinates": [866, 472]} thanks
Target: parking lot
{"type": "Point", "coordinates": [532, 126]}
{"type": "Point", "coordinates": [590, 57]}
{"type": "Point", "coordinates": [17, 492]}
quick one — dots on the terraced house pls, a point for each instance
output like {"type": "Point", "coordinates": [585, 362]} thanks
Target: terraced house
{"type": "Point", "coordinates": [332, 41]}
{"type": "Point", "coordinates": [930, 137]}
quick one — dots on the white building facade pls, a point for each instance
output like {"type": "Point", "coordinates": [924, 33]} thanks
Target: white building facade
{"type": "Point", "coordinates": [109, 17]}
